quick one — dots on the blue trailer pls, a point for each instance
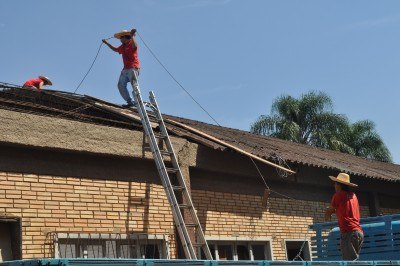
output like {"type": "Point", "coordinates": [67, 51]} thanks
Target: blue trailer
{"type": "Point", "coordinates": [381, 239]}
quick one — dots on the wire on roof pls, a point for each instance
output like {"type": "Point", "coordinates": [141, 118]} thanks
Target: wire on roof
{"type": "Point", "coordinates": [177, 82]}
{"type": "Point", "coordinates": [90, 68]}
{"type": "Point", "coordinates": [191, 96]}
{"type": "Point", "coordinates": [5, 85]}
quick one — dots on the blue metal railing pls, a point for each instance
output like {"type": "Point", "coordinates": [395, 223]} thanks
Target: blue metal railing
{"type": "Point", "coordinates": [381, 239]}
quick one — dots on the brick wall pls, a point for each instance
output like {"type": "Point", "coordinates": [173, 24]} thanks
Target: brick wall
{"type": "Point", "coordinates": [227, 214]}
{"type": "Point", "coordinates": [389, 211]}
{"type": "Point", "coordinates": [59, 204]}
{"type": "Point", "coordinates": [65, 204]}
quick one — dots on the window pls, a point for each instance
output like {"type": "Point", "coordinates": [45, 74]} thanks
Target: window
{"type": "Point", "coordinates": [237, 249]}
{"type": "Point", "coordinates": [225, 252]}
{"type": "Point", "coordinates": [242, 252]}
{"type": "Point", "coordinates": [260, 252]}
{"type": "Point", "coordinates": [72, 245]}
{"type": "Point", "coordinates": [297, 250]}
{"type": "Point", "coordinates": [10, 238]}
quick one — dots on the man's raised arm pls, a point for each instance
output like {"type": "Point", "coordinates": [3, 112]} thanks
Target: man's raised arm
{"type": "Point", "coordinates": [134, 43]}
{"type": "Point", "coordinates": [115, 49]}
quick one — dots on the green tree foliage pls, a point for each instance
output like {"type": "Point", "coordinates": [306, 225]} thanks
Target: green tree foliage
{"type": "Point", "coordinates": [365, 141]}
{"type": "Point", "coordinates": [311, 120]}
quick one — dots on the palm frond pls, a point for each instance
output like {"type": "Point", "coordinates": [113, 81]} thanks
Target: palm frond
{"type": "Point", "coordinates": [311, 120]}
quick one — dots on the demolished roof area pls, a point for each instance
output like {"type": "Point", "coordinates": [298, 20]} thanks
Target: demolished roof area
{"type": "Point", "coordinates": [91, 110]}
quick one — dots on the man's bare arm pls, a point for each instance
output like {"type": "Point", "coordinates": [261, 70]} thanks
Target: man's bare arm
{"type": "Point", "coordinates": [328, 213]}
{"type": "Point", "coordinates": [41, 86]}
{"type": "Point", "coordinates": [115, 49]}
{"type": "Point", "coordinates": [134, 42]}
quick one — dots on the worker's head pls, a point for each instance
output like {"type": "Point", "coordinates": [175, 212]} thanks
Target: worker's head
{"type": "Point", "coordinates": [125, 38]}
{"type": "Point", "coordinates": [342, 182]}
{"type": "Point", "coordinates": [46, 80]}
{"type": "Point", "coordinates": [341, 187]}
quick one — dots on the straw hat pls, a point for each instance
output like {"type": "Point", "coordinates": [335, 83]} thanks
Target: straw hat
{"type": "Point", "coordinates": [46, 80]}
{"type": "Point", "coordinates": [344, 179]}
{"type": "Point", "coordinates": [118, 35]}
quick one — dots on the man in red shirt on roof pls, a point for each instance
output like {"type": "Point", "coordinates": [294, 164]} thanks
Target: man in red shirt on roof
{"type": "Point", "coordinates": [130, 73]}
{"type": "Point", "coordinates": [345, 204]}
{"type": "Point", "coordinates": [37, 83]}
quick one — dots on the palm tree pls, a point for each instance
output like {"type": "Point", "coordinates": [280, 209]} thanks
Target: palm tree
{"type": "Point", "coordinates": [366, 142]}
{"type": "Point", "coordinates": [310, 120]}
{"type": "Point", "coordinates": [307, 120]}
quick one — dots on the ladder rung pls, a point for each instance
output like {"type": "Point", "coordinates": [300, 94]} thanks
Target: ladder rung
{"type": "Point", "coordinates": [198, 244]}
{"type": "Point", "coordinates": [185, 206]}
{"type": "Point", "coordinates": [163, 152]}
{"type": "Point", "coordinates": [178, 188]}
{"type": "Point", "coordinates": [146, 147]}
{"type": "Point", "coordinates": [191, 224]}
{"type": "Point", "coordinates": [171, 170]}
{"type": "Point", "coordinates": [160, 136]}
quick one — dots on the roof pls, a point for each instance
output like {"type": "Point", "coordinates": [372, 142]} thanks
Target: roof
{"type": "Point", "coordinates": [91, 110]}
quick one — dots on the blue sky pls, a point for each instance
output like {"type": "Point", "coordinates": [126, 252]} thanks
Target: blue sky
{"type": "Point", "coordinates": [234, 56]}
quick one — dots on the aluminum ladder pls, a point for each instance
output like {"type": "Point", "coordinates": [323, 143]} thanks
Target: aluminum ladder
{"type": "Point", "coordinates": [172, 180]}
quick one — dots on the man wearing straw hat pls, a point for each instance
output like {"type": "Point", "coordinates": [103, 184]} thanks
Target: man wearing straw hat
{"type": "Point", "coordinates": [130, 73]}
{"type": "Point", "coordinates": [37, 83]}
{"type": "Point", "coordinates": [345, 204]}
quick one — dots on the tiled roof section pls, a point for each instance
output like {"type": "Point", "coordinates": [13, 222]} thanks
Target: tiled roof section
{"type": "Point", "coordinates": [88, 109]}
{"type": "Point", "coordinates": [268, 147]}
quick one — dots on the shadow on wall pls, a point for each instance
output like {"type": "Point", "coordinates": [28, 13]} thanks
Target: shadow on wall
{"type": "Point", "coordinates": [137, 210]}
{"type": "Point", "coordinates": [246, 211]}
{"type": "Point", "coordinates": [226, 197]}
{"type": "Point", "coordinates": [79, 165]}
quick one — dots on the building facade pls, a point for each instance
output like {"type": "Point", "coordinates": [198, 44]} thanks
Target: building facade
{"type": "Point", "coordinates": [76, 188]}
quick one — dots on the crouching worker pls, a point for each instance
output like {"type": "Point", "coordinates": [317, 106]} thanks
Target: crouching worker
{"type": "Point", "coordinates": [345, 204]}
{"type": "Point", "coordinates": [130, 73]}
{"type": "Point", "coordinates": [37, 83]}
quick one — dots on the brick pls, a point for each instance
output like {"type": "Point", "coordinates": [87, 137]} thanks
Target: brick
{"type": "Point", "coordinates": [14, 178]}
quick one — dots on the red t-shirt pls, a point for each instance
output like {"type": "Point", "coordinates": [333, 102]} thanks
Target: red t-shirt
{"type": "Point", "coordinates": [33, 83]}
{"type": "Point", "coordinates": [129, 55]}
{"type": "Point", "coordinates": [347, 211]}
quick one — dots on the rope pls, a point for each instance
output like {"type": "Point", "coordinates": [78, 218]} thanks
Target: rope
{"type": "Point", "coordinates": [90, 68]}
{"type": "Point", "coordinates": [280, 160]}
{"type": "Point", "coordinates": [301, 250]}
{"type": "Point", "coordinates": [8, 85]}
{"type": "Point", "coordinates": [177, 82]}
{"type": "Point", "coordinates": [190, 95]}
{"type": "Point", "coordinates": [259, 172]}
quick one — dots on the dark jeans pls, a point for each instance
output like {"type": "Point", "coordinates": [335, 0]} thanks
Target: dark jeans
{"type": "Point", "coordinates": [350, 244]}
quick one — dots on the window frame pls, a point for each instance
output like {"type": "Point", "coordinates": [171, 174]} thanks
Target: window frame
{"type": "Point", "coordinates": [161, 241]}
{"type": "Point", "coordinates": [245, 241]}
{"type": "Point", "coordinates": [268, 253]}
{"type": "Point", "coordinates": [306, 249]}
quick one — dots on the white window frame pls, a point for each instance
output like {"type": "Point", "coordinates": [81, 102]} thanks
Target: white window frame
{"type": "Point", "coordinates": [224, 244]}
{"type": "Point", "coordinates": [268, 254]}
{"type": "Point", "coordinates": [164, 250]}
{"type": "Point", "coordinates": [306, 249]}
{"type": "Point", "coordinates": [235, 241]}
